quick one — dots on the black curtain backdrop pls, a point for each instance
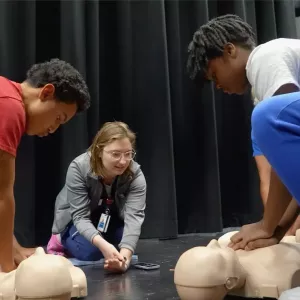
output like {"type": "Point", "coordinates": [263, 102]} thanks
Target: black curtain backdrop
{"type": "Point", "coordinates": [193, 141]}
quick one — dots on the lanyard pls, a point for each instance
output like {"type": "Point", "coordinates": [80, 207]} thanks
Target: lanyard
{"type": "Point", "coordinates": [106, 205]}
{"type": "Point", "coordinates": [108, 201]}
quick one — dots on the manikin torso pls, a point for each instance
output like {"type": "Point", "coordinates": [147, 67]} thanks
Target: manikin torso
{"type": "Point", "coordinates": [7, 285]}
{"type": "Point", "coordinates": [269, 271]}
{"type": "Point", "coordinates": [265, 272]}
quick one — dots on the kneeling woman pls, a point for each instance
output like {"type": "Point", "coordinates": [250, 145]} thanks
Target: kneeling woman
{"type": "Point", "coordinates": [100, 210]}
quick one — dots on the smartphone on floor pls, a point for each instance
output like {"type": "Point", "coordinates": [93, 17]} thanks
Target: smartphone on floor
{"type": "Point", "coordinates": [146, 266]}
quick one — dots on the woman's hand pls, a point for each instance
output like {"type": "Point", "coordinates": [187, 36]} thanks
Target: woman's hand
{"type": "Point", "coordinates": [249, 233]}
{"type": "Point", "coordinates": [110, 252]}
{"type": "Point", "coordinates": [107, 249]}
{"type": "Point", "coordinates": [115, 265]}
{"type": "Point", "coordinates": [120, 263]}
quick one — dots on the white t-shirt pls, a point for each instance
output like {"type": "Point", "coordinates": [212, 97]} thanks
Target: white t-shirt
{"type": "Point", "coordinates": [272, 65]}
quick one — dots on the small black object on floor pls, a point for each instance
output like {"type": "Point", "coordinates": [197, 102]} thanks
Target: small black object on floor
{"type": "Point", "coordinates": [138, 284]}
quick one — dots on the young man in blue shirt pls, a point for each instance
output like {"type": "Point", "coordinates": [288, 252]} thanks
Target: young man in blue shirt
{"type": "Point", "coordinates": [224, 51]}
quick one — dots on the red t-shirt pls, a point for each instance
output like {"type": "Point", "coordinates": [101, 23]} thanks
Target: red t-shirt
{"type": "Point", "coordinates": [12, 115]}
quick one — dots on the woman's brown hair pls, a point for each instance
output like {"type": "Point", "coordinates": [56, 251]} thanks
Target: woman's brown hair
{"type": "Point", "coordinates": [108, 133]}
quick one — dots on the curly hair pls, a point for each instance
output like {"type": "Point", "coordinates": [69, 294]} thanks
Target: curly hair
{"type": "Point", "coordinates": [209, 41]}
{"type": "Point", "coordinates": [69, 84]}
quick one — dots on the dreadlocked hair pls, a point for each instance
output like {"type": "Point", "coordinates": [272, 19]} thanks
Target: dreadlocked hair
{"type": "Point", "coordinates": [209, 41]}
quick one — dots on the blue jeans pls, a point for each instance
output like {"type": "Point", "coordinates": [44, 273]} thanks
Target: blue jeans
{"type": "Point", "coordinates": [276, 127]}
{"type": "Point", "coordinates": [80, 248]}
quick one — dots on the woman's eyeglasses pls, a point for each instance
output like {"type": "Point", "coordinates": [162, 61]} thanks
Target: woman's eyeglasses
{"type": "Point", "coordinates": [117, 155]}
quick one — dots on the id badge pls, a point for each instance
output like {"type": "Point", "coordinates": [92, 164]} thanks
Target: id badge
{"type": "Point", "coordinates": [103, 223]}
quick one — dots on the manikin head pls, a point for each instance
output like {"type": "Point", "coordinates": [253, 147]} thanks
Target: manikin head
{"type": "Point", "coordinates": [78, 276]}
{"type": "Point", "coordinates": [112, 150]}
{"type": "Point", "coordinates": [208, 273]}
{"type": "Point", "coordinates": [53, 93]}
{"type": "Point", "coordinates": [219, 51]}
{"type": "Point", "coordinates": [40, 278]}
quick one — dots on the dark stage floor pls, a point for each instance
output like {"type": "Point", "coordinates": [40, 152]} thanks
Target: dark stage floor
{"type": "Point", "coordinates": [145, 285]}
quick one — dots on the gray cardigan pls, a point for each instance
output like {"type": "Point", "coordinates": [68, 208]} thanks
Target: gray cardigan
{"type": "Point", "coordinates": [81, 195]}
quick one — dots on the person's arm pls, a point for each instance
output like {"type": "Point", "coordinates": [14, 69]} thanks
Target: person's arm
{"type": "Point", "coordinates": [134, 216]}
{"type": "Point", "coordinates": [15, 242]}
{"type": "Point", "coordinates": [278, 201]}
{"type": "Point", "coordinates": [77, 195]}
{"type": "Point", "coordinates": [7, 210]}
{"type": "Point", "coordinates": [12, 127]}
{"type": "Point", "coordinates": [288, 219]}
{"type": "Point", "coordinates": [79, 201]}
{"type": "Point", "coordinates": [20, 252]}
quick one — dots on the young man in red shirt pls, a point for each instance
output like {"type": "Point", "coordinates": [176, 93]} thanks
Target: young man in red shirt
{"type": "Point", "coordinates": [51, 95]}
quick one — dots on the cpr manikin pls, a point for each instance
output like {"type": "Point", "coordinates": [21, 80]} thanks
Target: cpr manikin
{"type": "Point", "coordinates": [212, 272]}
{"type": "Point", "coordinates": [43, 276]}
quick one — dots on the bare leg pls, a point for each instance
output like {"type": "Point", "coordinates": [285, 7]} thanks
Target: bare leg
{"type": "Point", "coordinates": [264, 170]}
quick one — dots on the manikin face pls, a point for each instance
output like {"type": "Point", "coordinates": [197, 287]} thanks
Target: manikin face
{"type": "Point", "coordinates": [45, 114]}
{"type": "Point", "coordinates": [117, 156]}
{"type": "Point", "coordinates": [228, 72]}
